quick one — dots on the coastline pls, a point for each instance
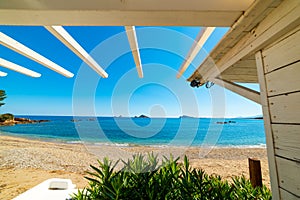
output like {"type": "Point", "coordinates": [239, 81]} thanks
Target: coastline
{"type": "Point", "coordinates": [27, 162]}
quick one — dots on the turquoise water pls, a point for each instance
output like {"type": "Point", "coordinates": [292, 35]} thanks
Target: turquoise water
{"type": "Point", "coordinates": [143, 131]}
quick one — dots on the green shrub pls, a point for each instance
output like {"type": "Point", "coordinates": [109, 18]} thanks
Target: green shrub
{"type": "Point", "coordinates": [143, 178]}
{"type": "Point", "coordinates": [6, 116]}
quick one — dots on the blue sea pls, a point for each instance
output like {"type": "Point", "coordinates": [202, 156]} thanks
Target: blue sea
{"type": "Point", "coordinates": [237, 132]}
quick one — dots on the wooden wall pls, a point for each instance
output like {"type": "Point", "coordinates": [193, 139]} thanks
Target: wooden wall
{"type": "Point", "coordinates": [279, 76]}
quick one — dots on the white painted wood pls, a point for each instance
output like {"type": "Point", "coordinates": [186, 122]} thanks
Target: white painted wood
{"type": "Point", "coordinates": [289, 77]}
{"type": "Point", "coordinates": [132, 39]}
{"type": "Point", "coordinates": [285, 108]}
{"type": "Point", "coordinates": [60, 33]}
{"type": "Point", "coordinates": [122, 13]}
{"type": "Point", "coordinates": [2, 74]}
{"type": "Point", "coordinates": [289, 176]}
{"type": "Point", "coordinates": [267, 35]}
{"type": "Point", "coordinates": [287, 196]}
{"type": "Point", "coordinates": [12, 66]}
{"type": "Point", "coordinates": [240, 78]}
{"type": "Point", "coordinates": [197, 46]}
{"type": "Point", "coordinates": [250, 18]}
{"type": "Point", "coordinates": [117, 18]}
{"type": "Point", "coordinates": [283, 52]}
{"type": "Point", "coordinates": [243, 91]}
{"type": "Point", "coordinates": [22, 49]}
{"type": "Point", "coordinates": [268, 128]}
{"type": "Point", "coordinates": [134, 5]}
{"type": "Point", "coordinates": [267, 31]}
{"type": "Point", "coordinates": [240, 29]}
{"type": "Point", "coordinates": [286, 140]}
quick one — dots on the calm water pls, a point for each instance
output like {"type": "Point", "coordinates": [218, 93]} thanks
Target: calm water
{"type": "Point", "coordinates": [137, 131]}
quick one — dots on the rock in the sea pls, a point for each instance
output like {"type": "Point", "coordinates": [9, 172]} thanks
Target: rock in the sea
{"type": "Point", "coordinates": [20, 120]}
{"type": "Point", "coordinates": [141, 116]}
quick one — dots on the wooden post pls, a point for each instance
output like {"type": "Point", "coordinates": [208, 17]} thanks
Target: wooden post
{"type": "Point", "coordinates": [255, 172]}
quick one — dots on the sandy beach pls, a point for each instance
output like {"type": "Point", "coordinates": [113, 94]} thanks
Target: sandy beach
{"type": "Point", "coordinates": [25, 163]}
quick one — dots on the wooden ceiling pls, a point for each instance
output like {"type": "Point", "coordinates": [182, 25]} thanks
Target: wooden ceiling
{"type": "Point", "coordinates": [222, 62]}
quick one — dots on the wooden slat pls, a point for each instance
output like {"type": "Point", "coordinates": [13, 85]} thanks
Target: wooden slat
{"type": "Point", "coordinates": [132, 39]}
{"type": "Point", "coordinates": [268, 31]}
{"type": "Point", "coordinates": [243, 91]}
{"type": "Point", "coordinates": [200, 40]}
{"type": "Point", "coordinates": [267, 34]}
{"type": "Point", "coordinates": [61, 34]}
{"type": "Point", "coordinates": [2, 74]}
{"type": "Point", "coordinates": [123, 13]}
{"type": "Point", "coordinates": [268, 128]}
{"type": "Point", "coordinates": [288, 195]}
{"type": "Point", "coordinates": [118, 18]}
{"type": "Point", "coordinates": [241, 78]}
{"type": "Point", "coordinates": [240, 29]}
{"type": "Point", "coordinates": [134, 5]}
{"type": "Point", "coordinates": [290, 80]}
{"type": "Point", "coordinates": [258, 11]}
{"type": "Point", "coordinates": [286, 140]}
{"type": "Point", "coordinates": [29, 53]}
{"type": "Point", "coordinates": [285, 108]}
{"type": "Point", "coordinates": [283, 53]}
{"type": "Point", "coordinates": [12, 66]}
{"type": "Point", "coordinates": [289, 176]}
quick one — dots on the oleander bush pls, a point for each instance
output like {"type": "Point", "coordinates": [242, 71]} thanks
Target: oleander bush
{"type": "Point", "coordinates": [144, 178]}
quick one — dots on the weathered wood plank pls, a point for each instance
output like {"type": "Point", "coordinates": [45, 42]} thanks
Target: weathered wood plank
{"type": "Point", "coordinates": [241, 78]}
{"type": "Point", "coordinates": [267, 32]}
{"type": "Point", "coordinates": [288, 196]}
{"type": "Point", "coordinates": [285, 108]}
{"type": "Point", "coordinates": [239, 30]}
{"type": "Point", "coordinates": [243, 91]}
{"type": "Point", "coordinates": [288, 174]}
{"type": "Point", "coordinates": [286, 140]}
{"type": "Point", "coordinates": [289, 77]}
{"type": "Point", "coordinates": [258, 11]}
{"type": "Point", "coordinates": [268, 129]}
{"type": "Point", "coordinates": [283, 53]}
{"type": "Point", "coordinates": [117, 18]}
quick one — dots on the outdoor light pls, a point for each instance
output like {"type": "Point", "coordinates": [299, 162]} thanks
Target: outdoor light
{"type": "Point", "coordinates": [195, 83]}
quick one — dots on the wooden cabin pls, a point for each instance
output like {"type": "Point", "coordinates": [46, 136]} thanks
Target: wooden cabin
{"type": "Point", "coordinates": [262, 46]}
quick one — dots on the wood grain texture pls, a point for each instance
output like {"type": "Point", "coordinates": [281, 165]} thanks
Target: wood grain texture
{"type": "Point", "coordinates": [289, 176]}
{"type": "Point", "coordinates": [285, 108]}
{"type": "Point", "coordinates": [286, 140]}
{"type": "Point", "coordinates": [282, 53]}
{"type": "Point", "coordinates": [284, 80]}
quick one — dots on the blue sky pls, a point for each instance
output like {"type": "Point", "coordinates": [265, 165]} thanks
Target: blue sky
{"type": "Point", "coordinates": [158, 94]}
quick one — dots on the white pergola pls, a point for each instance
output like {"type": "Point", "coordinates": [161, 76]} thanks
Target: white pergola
{"type": "Point", "coordinates": [262, 46]}
{"type": "Point", "coordinates": [53, 15]}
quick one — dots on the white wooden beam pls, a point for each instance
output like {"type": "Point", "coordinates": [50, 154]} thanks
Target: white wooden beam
{"type": "Point", "coordinates": [197, 46]}
{"type": "Point", "coordinates": [243, 91]}
{"type": "Point", "coordinates": [2, 74]}
{"type": "Point", "coordinates": [270, 29]}
{"type": "Point", "coordinates": [268, 126]}
{"type": "Point", "coordinates": [12, 66]}
{"type": "Point", "coordinates": [60, 33]}
{"type": "Point", "coordinates": [132, 39]}
{"type": "Point", "coordinates": [22, 49]}
{"type": "Point", "coordinates": [122, 13]}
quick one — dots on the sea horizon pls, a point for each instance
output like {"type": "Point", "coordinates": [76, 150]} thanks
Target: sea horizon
{"type": "Point", "coordinates": [155, 132]}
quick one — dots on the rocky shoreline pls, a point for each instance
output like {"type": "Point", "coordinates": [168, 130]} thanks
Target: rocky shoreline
{"type": "Point", "coordinates": [19, 120]}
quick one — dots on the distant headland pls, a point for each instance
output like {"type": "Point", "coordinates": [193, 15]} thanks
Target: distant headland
{"type": "Point", "coordinates": [10, 120]}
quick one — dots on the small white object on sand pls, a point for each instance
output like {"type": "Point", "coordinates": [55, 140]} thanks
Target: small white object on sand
{"type": "Point", "coordinates": [54, 188]}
